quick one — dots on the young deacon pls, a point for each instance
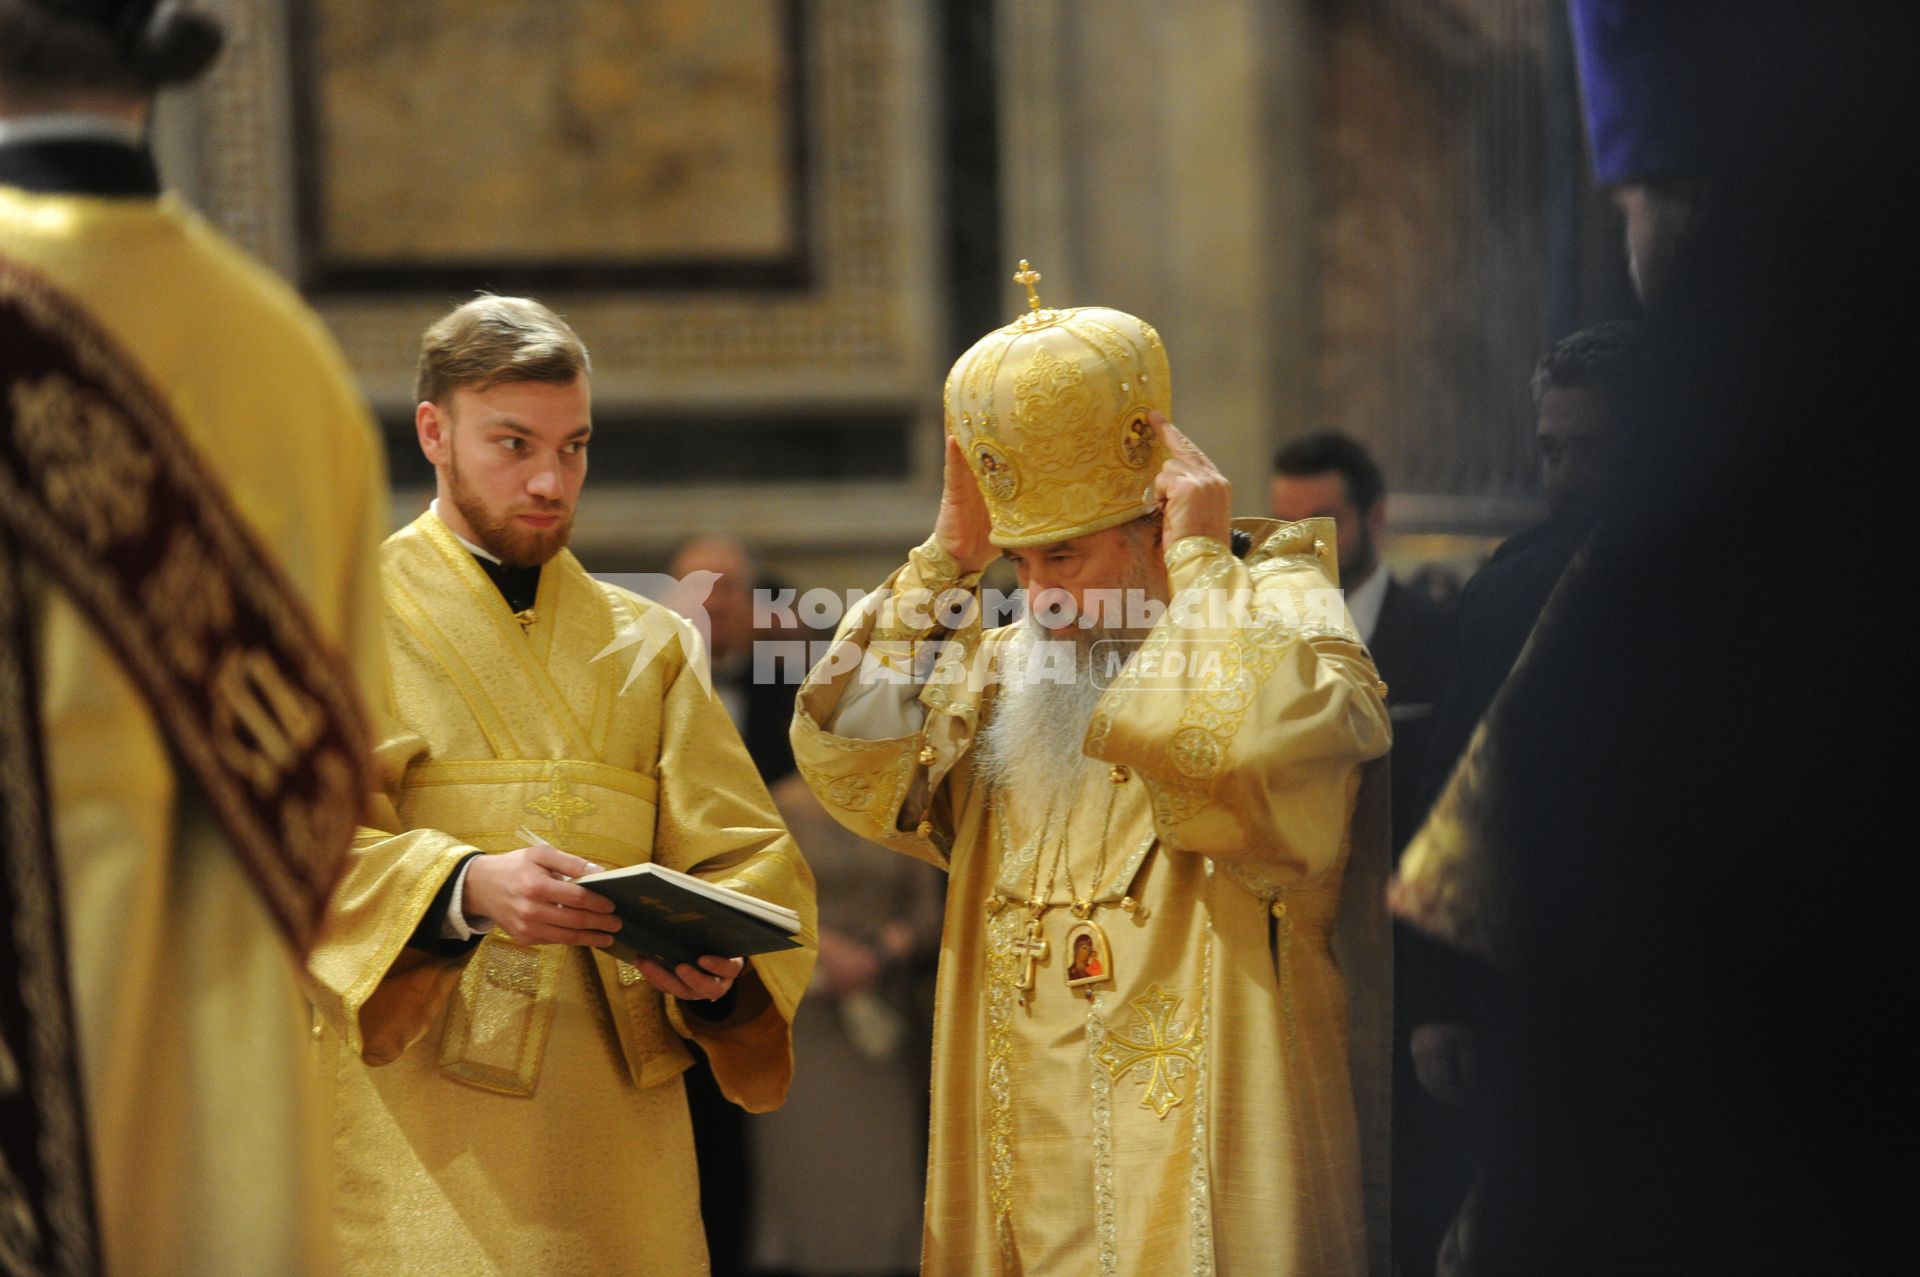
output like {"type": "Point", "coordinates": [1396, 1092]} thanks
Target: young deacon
{"type": "Point", "coordinates": [510, 1093]}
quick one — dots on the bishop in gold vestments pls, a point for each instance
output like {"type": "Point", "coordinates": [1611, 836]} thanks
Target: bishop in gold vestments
{"type": "Point", "coordinates": [1141, 1050]}
{"type": "Point", "coordinates": [523, 1111]}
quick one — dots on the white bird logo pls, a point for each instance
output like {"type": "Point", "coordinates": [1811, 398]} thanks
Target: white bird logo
{"type": "Point", "coordinates": [651, 630]}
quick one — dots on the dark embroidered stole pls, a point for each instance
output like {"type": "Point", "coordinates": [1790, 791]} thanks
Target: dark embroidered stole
{"type": "Point", "coordinates": [101, 492]}
{"type": "Point", "coordinates": [45, 1193]}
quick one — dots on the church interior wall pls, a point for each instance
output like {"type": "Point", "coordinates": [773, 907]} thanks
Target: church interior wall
{"type": "Point", "coordinates": [1346, 213]}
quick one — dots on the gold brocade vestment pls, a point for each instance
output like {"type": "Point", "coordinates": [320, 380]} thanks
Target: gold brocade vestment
{"type": "Point", "coordinates": [204, 1112]}
{"type": "Point", "coordinates": [523, 1112]}
{"type": "Point", "coordinates": [1195, 1113]}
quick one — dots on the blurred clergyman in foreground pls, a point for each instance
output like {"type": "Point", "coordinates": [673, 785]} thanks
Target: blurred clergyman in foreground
{"type": "Point", "coordinates": [1677, 834]}
{"type": "Point", "coordinates": [190, 499]}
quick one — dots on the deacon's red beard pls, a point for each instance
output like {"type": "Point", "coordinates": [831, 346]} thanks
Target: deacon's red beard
{"type": "Point", "coordinates": [504, 535]}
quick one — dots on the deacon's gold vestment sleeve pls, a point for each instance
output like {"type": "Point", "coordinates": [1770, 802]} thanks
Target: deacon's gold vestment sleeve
{"type": "Point", "coordinates": [717, 821]}
{"type": "Point", "coordinates": [1250, 706]}
{"type": "Point", "coordinates": [379, 994]}
{"type": "Point", "coordinates": [903, 791]}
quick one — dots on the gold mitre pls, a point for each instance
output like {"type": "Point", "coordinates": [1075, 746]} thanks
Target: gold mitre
{"type": "Point", "coordinates": [1052, 413]}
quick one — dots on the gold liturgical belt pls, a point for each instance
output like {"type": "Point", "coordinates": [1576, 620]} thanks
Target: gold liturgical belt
{"type": "Point", "coordinates": [603, 813]}
{"type": "Point", "coordinates": [501, 1014]}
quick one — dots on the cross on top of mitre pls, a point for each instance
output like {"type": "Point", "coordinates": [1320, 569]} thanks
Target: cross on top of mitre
{"type": "Point", "coordinates": [1028, 276]}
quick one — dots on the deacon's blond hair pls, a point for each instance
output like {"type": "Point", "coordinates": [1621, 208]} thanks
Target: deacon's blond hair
{"type": "Point", "coordinates": [493, 340]}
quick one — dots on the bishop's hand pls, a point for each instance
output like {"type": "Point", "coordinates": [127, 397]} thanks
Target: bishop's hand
{"type": "Point", "coordinates": [964, 526]}
{"type": "Point", "coordinates": [529, 896]}
{"type": "Point", "coordinates": [1195, 499]}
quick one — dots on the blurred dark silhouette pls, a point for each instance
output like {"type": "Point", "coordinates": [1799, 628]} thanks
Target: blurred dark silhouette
{"type": "Point", "coordinates": [1694, 1063]}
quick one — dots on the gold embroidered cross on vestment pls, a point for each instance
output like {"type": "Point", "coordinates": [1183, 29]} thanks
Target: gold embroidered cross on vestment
{"type": "Point", "coordinates": [560, 804]}
{"type": "Point", "coordinates": [1157, 1051]}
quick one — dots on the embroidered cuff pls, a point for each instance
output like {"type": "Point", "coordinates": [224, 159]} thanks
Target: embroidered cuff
{"type": "Point", "coordinates": [442, 928]}
{"type": "Point", "coordinates": [1309, 539]}
{"type": "Point", "coordinates": [908, 612]}
{"type": "Point", "coordinates": [939, 570]}
{"type": "Point", "coordinates": [1186, 549]}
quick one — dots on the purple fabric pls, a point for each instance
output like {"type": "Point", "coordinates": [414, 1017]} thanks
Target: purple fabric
{"type": "Point", "coordinates": [1639, 60]}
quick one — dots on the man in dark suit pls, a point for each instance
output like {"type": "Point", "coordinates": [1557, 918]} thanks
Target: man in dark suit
{"type": "Point", "coordinates": [1330, 475]}
{"type": "Point", "coordinates": [1576, 388]}
{"type": "Point", "coordinates": [762, 709]}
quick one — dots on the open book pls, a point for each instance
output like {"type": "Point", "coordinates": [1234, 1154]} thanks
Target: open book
{"type": "Point", "coordinates": [674, 917]}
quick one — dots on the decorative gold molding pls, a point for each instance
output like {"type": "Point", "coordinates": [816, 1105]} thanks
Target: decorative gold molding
{"type": "Point", "coordinates": [862, 331]}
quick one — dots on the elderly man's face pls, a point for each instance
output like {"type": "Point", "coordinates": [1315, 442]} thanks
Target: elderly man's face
{"type": "Point", "coordinates": [1067, 579]}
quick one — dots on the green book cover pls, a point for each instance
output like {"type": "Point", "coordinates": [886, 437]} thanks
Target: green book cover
{"type": "Point", "coordinates": [673, 923]}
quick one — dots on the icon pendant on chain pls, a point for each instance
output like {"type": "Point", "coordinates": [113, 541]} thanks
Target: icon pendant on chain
{"type": "Point", "coordinates": [1089, 960]}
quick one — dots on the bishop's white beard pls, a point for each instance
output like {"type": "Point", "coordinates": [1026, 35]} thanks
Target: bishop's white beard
{"type": "Point", "coordinates": [1030, 750]}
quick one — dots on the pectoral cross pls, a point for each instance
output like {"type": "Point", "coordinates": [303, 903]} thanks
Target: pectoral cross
{"type": "Point", "coordinates": [1034, 950]}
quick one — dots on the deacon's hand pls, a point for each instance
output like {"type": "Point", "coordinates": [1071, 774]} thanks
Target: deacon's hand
{"type": "Point", "coordinates": [528, 895]}
{"type": "Point", "coordinates": [1195, 499]}
{"type": "Point", "coordinates": [964, 526]}
{"type": "Point", "coordinates": [704, 983]}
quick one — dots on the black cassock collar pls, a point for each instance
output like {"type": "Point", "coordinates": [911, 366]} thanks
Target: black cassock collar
{"type": "Point", "coordinates": [518, 586]}
{"type": "Point", "coordinates": [79, 166]}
